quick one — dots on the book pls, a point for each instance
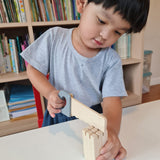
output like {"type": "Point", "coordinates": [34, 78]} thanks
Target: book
{"type": "Point", "coordinates": [54, 10]}
{"type": "Point", "coordinates": [37, 10]}
{"type": "Point", "coordinates": [20, 94]}
{"type": "Point", "coordinates": [6, 3]}
{"type": "Point", "coordinates": [22, 112]}
{"type": "Point", "coordinates": [46, 10]}
{"type": "Point", "coordinates": [6, 54]}
{"type": "Point", "coordinates": [2, 62]}
{"type": "Point", "coordinates": [20, 105]}
{"type": "Point", "coordinates": [12, 11]}
{"type": "Point", "coordinates": [42, 10]}
{"type": "Point", "coordinates": [123, 46]}
{"type": "Point", "coordinates": [22, 10]}
{"type": "Point", "coordinates": [20, 108]}
{"type": "Point", "coordinates": [4, 114]}
{"type": "Point", "coordinates": [51, 16]}
{"type": "Point", "coordinates": [15, 55]}
{"type": "Point", "coordinates": [19, 50]}
{"type": "Point", "coordinates": [5, 10]}
{"type": "Point", "coordinates": [4, 20]}
{"type": "Point", "coordinates": [17, 11]}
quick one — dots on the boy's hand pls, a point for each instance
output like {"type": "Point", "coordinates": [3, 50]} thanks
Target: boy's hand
{"type": "Point", "coordinates": [55, 103]}
{"type": "Point", "coordinates": [112, 149]}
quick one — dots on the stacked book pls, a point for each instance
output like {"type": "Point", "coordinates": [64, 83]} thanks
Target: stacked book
{"type": "Point", "coordinates": [21, 102]}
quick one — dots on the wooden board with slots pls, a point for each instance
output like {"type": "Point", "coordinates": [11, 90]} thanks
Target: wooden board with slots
{"type": "Point", "coordinates": [94, 136]}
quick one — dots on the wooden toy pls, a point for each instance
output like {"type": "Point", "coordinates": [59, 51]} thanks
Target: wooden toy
{"type": "Point", "coordinates": [94, 136]}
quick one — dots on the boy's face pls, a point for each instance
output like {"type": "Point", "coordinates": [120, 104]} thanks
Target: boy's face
{"type": "Point", "coordinates": [99, 27]}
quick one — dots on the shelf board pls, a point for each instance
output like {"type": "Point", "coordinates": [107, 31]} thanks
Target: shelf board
{"type": "Point", "coordinates": [131, 61]}
{"type": "Point", "coordinates": [131, 99]}
{"type": "Point", "coordinates": [13, 25]}
{"type": "Point", "coordinates": [9, 77]}
{"type": "Point", "coordinates": [55, 23]}
{"type": "Point", "coordinates": [18, 125]}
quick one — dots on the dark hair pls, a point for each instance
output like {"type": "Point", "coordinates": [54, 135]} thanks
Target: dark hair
{"type": "Point", "coordinates": [133, 11]}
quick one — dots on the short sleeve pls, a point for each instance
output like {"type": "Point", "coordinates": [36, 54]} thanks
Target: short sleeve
{"type": "Point", "coordinates": [38, 53]}
{"type": "Point", "coordinates": [113, 84]}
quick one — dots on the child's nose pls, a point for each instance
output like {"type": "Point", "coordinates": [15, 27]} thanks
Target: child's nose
{"type": "Point", "coordinates": [106, 33]}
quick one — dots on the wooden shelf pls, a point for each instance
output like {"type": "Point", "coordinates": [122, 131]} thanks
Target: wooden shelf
{"type": "Point", "coordinates": [55, 23]}
{"type": "Point", "coordinates": [131, 61]}
{"type": "Point", "coordinates": [131, 99]}
{"type": "Point", "coordinates": [13, 25]}
{"type": "Point", "coordinates": [18, 125]}
{"type": "Point", "coordinates": [9, 77]}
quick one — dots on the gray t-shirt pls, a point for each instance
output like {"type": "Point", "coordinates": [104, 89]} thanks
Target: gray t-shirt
{"type": "Point", "coordinates": [88, 79]}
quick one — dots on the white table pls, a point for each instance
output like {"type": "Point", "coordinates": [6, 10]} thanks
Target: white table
{"type": "Point", "coordinates": [140, 134]}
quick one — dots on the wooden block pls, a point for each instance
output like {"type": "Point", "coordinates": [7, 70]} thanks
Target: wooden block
{"type": "Point", "coordinates": [93, 141]}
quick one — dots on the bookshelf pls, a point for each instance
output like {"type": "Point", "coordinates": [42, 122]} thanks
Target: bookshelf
{"type": "Point", "coordinates": [133, 67]}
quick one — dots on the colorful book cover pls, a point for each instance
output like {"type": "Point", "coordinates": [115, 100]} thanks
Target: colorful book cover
{"type": "Point", "coordinates": [22, 10]}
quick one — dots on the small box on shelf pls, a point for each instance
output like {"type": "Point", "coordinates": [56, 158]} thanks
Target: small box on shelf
{"type": "Point", "coordinates": [147, 61]}
{"type": "Point", "coordinates": [146, 82]}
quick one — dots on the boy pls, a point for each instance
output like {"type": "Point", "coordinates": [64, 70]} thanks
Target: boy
{"type": "Point", "coordinates": [80, 61]}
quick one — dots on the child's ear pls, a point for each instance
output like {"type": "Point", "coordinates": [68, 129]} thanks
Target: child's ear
{"type": "Point", "coordinates": [81, 5]}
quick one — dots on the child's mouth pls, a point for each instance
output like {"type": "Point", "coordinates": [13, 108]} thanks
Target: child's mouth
{"type": "Point", "coordinates": [97, 42]}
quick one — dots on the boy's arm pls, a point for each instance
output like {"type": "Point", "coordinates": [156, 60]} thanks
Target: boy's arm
{"type": "Point", "coordinates": [112, 110]}
{"type": "Point", "coordinates": [39, 81]}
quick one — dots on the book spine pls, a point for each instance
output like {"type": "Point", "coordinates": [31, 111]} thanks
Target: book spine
{"type": "Point", "coordinates": [5, 10]}
{"type": "Point", "coordinates": [2, 12]}
{"type": "Point", "coordinates": [46, 10]}
{"type": "Point", "coordinates": [17, 10]}
{"type": "Point", "coordinates": [12, 11]}
{"type": "Point", "coordinates": [2, 62]}
{"type": "Point", "coordinates": [15, 55]}
{"type": "Point", "coordinates": [22, 10]}
{"type": "Point", "coordinates": [42, 10]}
{"type": "Point", "coordinates": [50, 10]}
{"type": "Point", "coordinates": [12, 55]}
{"type": "Point", "coordinates": [37, 10]}
{"type": "Point", "coordinates": [6, 53]}
{"type": "Point", "coordinates": [6, 3]}
{"type": "Point", "coordinates": [54, 10]}
{"type": "Point", "coordinates": [32, 10]}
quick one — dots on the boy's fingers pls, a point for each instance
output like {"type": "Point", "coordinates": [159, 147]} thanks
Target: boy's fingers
{"type": "Point", "coordinates": [122, 153]}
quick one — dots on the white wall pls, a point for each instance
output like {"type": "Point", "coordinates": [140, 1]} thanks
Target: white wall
{"type": "Point", "coordinates": [152, 39]}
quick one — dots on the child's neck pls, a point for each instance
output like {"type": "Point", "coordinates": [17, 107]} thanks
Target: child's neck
{"type": "Point", "coordinates": [80, 46]}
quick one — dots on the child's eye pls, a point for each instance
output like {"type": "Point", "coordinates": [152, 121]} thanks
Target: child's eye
{"type": "Point", "coordinates": [100, 21]}
{"type": "Point", "coordinates": [117, 32]}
